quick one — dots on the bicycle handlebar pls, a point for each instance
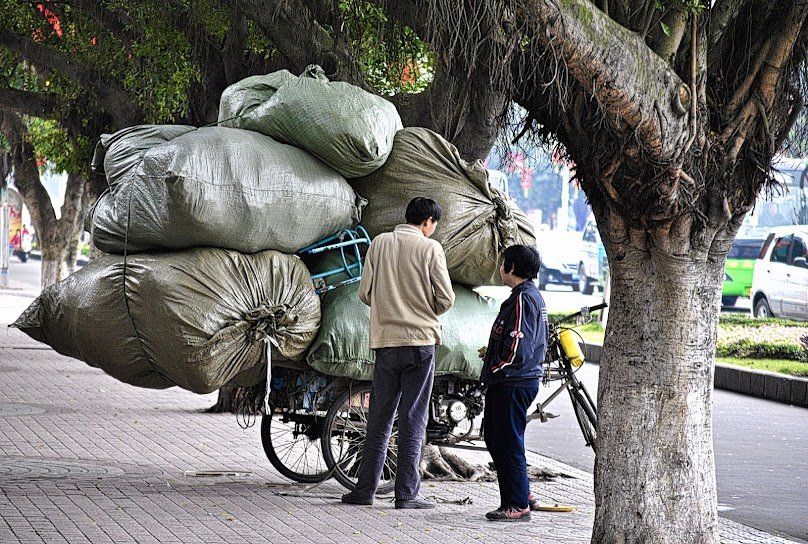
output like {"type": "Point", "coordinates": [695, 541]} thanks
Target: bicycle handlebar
{"type": "Point", "coordinates": [581, 312]}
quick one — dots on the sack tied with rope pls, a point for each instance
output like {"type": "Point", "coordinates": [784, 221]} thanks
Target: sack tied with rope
{"type": "Point", "coordinates": [342, 345]}
{"type": "Point", "coordinates": [478, 221]}
{"type": "Point", "coordinates": [347, 127]}
{"type": "Point", "coordinates": [196, 319]}
{"type": "Point", "coordinates": [177, 187]}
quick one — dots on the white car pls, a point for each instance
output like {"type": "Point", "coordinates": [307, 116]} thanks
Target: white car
{"type": "Point", "coordinates": [780, 280]}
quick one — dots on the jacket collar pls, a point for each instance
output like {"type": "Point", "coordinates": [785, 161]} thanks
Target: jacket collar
{"type": "Point", "coordinates": [408, 229]}
{"type": "Point", "coordinates": [525, 285]}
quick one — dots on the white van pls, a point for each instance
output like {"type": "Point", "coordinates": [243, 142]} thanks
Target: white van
{"type": "Point", "coordinates": [780, 279]}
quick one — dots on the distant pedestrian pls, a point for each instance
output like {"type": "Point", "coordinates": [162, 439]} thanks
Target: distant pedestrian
{"type": "Point", "coordinates": [512, 370]}
{"type": "Point", "coordinates": [406, 284]}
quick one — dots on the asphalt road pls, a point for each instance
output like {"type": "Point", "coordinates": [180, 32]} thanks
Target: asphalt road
{"type": "Point", "coordinates": [761, 447]}
{"type": "Point", "coordinates": [761, 455]}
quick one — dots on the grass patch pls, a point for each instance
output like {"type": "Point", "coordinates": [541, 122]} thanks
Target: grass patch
{"type": "Point", "coordinates": [781, 366]}
{"type": "Point", "coordinates": [742, 320]}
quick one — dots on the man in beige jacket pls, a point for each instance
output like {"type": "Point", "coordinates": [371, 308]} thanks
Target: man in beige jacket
{"type": "Point", "coordinates": [406, 284]}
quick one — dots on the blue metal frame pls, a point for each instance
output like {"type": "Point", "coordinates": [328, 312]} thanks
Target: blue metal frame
{"type": "Point", "coordinates": [345, 240]}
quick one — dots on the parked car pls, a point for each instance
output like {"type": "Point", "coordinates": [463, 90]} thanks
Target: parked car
{"type": "Point", "coordinates": [592, 255]}
{"type": "Point", "coordinates": [560, 255]}
{"type": "Point", "coordinates": [739, 269]}
{"type": "Point", "coordinates": [780, 277]}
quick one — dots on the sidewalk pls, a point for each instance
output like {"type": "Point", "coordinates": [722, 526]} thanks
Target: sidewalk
{"type": "Point", "coordinates": [84, 458]}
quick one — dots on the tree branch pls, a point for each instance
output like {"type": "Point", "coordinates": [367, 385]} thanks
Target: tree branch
{"type": "Point", "coordinates": [114, 98]}
{"type": "Point", "coordinates": [630, 83]}
{"type": "Point", "coordinates": [721, 14]}
{"type": "Point", "coordinates": [289, 24]}
{"type": "Point", "coordinates": [115, 21]}
{"type": "Point", "coordinates": [42, 105]}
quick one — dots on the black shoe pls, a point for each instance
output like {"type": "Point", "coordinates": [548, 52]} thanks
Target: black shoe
{"type": "Point", "coordinates": [509, 514]}
{"type": "Point", "coordinates": [353, 498]}
{"type": "Point", "coordinates": [418, 503]}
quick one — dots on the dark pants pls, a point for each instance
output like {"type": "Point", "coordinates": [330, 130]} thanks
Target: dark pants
{"type": "Point", "coordinates": [504, 422]}
{"type": "Point", "coordinates": [402, 380]}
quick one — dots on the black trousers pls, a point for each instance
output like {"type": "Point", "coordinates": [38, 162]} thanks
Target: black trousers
{"type": "Point", "coordinates": [505, 419]}
{"type": "Point", "coordinates": [402, 382]}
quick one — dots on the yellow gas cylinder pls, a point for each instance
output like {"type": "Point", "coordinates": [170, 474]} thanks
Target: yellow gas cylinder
{"type": "Point", "coordinates": [571, 348]}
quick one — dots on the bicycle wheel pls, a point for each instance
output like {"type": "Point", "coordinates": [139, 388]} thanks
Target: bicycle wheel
{"type": "Point", "coordinates": [585, 411]}
{"type": "Point", "coordinates": [343, 437]}
{"type": "Point", "coordinates": [292, 444]}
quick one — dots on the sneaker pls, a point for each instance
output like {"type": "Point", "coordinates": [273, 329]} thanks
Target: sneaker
{"type": "Point", "coordinates": [418, 503]}
{"type": "Point", "coordinates": [353, 498]}
{"type": "Point", "coordinates": [533, 501]}
{"type": "Point", "coordinates": [509, 514]}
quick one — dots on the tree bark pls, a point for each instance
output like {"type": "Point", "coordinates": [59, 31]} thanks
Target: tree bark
{"type": "Point", "coordinates": [654, 472]}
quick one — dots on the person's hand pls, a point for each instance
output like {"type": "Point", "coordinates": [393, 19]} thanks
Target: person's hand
{"type": "Point", "coordinates": [482, 351]}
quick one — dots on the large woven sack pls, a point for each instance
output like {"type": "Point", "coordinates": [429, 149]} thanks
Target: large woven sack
{"type": "Point", "coordinates": [195, 319]}
{"type": "Point", "coordinates": [478, 221]}
{"type": "Point", "coordinates": [223, 187]}
{"type": "Point", "coordinates": [342, 344]}
{"type": "Point", "coordinates": [242, 97]}
{"type": "Point", "coordinates": [347, 127]}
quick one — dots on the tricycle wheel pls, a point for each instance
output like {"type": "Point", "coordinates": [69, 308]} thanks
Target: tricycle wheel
{"type": "Point", "coordinates": [343, 437]}
{"type": "Point", "coordinates": [292, 444]}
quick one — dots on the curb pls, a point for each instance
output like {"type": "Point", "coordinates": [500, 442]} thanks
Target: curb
{"type": "Point", "coordinates": [747, 381]}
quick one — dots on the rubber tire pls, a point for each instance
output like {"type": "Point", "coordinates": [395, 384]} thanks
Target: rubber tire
{"type": "Point", "coordinates": [330, 462]}
{"type": "Point", "coordinates": [728, 301]}
{"type": "Point", "coordinates": [585, 412]}
{"type": "Point", "coordinates": [763, 305]}
{"type": "Point", "coordinates": [269, 450]}
{"type": "Point", "coordinates": [543, 277]}
{"type": "Point", "coordinates": [23, 256]}
{"type": "Point", "coordinates": [585, 285]}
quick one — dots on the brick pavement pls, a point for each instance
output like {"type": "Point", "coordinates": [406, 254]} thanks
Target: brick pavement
{"type": "Point", "coordinates": [84, 458]}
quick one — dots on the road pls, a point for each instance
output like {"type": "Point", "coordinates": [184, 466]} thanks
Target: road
{"type": "Point", "coordinates": [761, 455]}
{"type": "Point", "coordinates": [761, 447]}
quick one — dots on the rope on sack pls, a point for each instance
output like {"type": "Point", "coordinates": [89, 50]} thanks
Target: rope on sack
{"type": "Point", "coordinates": [504, 219]}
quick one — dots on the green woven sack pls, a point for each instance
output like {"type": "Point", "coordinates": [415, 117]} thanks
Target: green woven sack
{"type": "Point", "coordinates": [221, 187]}
{"type": "Point", "coordinates": [347, 127]}
{"type": "Point", "coordinates": [242, 97]}
{"type": "Point", "coordinates": [478, 221]}
{"type": "Point", "coordinates": [342, 344]}
{"type": "Point", "coordinates": [196, 319]}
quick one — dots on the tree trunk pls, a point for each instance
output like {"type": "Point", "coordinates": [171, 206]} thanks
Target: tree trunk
{"type": "Point", "coordinates": [654, 473]}
{"type": "Point", "coordinates": [54, 267]}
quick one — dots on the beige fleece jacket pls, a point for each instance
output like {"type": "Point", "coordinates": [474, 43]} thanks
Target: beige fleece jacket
{"type": "Point", "coordinates": [406, 284]}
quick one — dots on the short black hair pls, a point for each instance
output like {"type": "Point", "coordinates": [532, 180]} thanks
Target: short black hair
{"type": "Point", "coordinates": [522, 261]}
{"type": "Point", "coordinates": [420, 209]}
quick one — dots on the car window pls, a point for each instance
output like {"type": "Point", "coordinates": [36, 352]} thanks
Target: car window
{"type": "Point", "coordinates": [799, 250]}
{"type": "Point", "coordinates": [780, 251]}
{"type": "Point", "coordinates": [589, 234]}
{"type": "Point", "coordinates": [745, 249]}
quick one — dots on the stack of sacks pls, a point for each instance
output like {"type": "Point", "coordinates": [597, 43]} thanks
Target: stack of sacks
{"type": "Point", "coordinates": [216, 209]}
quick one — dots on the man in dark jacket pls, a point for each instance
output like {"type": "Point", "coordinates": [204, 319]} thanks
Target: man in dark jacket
{"type": "Point", "coordinates": [512, 371]}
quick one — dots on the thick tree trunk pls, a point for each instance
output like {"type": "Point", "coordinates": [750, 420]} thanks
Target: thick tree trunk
{"type": "Point", "coordinates": [654, 473]}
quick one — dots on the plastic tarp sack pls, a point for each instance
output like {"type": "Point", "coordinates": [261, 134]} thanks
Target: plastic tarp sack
{"type": "Point", "coordinates": [241, 98]}
{"type": "Point", "coordinates": [478, 221]}
{"type": "Point", "coordinates": [347, 127]}
{"type": "Point", "coordinates": [194, 319]}
{"type": "Point", "coordinates": [342, 344]}
{"type": "Point", "coordinates": [221, 187]}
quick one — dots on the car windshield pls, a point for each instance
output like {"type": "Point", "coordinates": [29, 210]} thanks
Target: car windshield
{"type": "Point", "coordinates": [745, 249]}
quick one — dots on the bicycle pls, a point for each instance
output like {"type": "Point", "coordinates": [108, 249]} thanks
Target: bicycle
{"type": "Point", "coordinates": [564, 358]}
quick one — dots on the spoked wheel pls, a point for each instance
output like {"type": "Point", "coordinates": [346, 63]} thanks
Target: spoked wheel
{"type": "Point", "coordinates": [585, 411]}
{"type": "Point", "coordinates": [343, 438]}
{"type": "Point", "coordinates": [292, 444]}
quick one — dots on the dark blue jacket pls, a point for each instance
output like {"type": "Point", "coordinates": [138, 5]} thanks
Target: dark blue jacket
{"type": "Point", "coordinates": [518, 339]}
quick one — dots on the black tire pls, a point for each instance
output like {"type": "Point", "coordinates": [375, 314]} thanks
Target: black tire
{"type": "Point", "coordinates": [585, 412]}
{"type": "Point", "coordinates": [728, 301]}
{"type": "Point", "coordinates": [343, 438]}
{"type": "Point", "coordinates": [23, 256]}
{"type": "Point", "coordinates": [300, 458]}
{"type": "Point", "coordinates": [762, 309]}
{"type": "Point", "coordinates": [543, 279]}
{"type": "Point", "coordinates": [585, 285]}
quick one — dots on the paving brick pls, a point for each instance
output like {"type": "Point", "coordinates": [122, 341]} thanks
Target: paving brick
{"type": "Point", "coordinates": [105, 462]}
